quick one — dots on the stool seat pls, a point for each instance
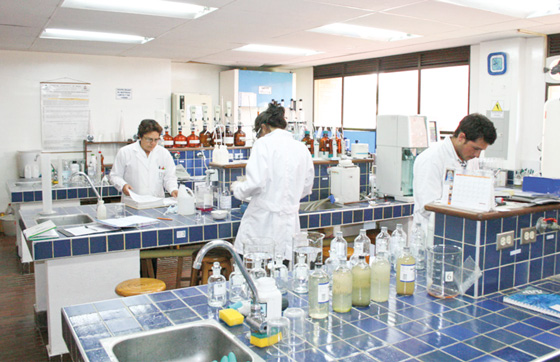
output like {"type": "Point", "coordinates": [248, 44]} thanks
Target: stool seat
{"type": "Point", "coordinates": [138, 286]}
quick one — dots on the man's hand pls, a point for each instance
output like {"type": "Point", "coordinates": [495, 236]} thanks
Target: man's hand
{"type": "Point", "coordinates": [175, 193]}
{"type": "Point", "coordinates": [126, 189]}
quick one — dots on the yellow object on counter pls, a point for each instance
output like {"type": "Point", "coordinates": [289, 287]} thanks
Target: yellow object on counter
{"type": "Point", "coordinates": [231, 317]}
{"type": "Point", "coordinates": [261, 340]}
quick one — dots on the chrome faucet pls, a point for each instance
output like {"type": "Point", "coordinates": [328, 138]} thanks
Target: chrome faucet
{"type": "Point", "coordinates": [80, 173]}
{"type": "Point", "coordinates": [255, 320]}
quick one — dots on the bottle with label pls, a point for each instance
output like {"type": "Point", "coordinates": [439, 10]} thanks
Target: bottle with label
{"type": "Point", "coordinates": [361, 283]}
{"type": "Point", "coordinates": [217, 287]}
{"type": "Point", "coordinates": [225, 199]}
{"type": "Point", "coordinates": [98, 168]}
{"type": "Point", "coordinates": [180, 140]}
{"type": "Point", "coordinates": [361, 246]}
{"type": "Point", "coordinates": [342, 288]}
{"type": "Point", "coordinates": [270, 298]}
{"type": "Point", "coordinates": [66, 173]}
{"type": "Point", "coordinates": [324, 146]}
{"type": "Point", "coordinates": [239, 136]}
{"type": "Point", "coordinates": [228, 137]}
{"type": "Point", "coordinates": [280, 272]}
{"type": "Point", "coordinates": [406, 272]}
{"type": "Point", "coordinates": [418, 246]}
{"type": "Point", "coordinates": [380, 268]}
{"type": "Point", "coordinates": [217, 136]}
{"type": "Point", "coordinates": [167, 139]}
{"type": "Point", "coordinates": [101, 160]}
{"type": "Point", "coordinates": [205, 137]}
{"type": "Point", "coordinates": [301, 275]}
{"type": "Point", "coordinates": [193, 140]}
{"type": "Point", "coordinates": [318, 293]}
{"type": "Point", "coordinates": [92, 166]}
{"type": "Point", "coordinates": [309, 142]}
{"type": "Point", "coordinates": [238, 288]}
{"type": "Point", "coordinates": [396, 244]}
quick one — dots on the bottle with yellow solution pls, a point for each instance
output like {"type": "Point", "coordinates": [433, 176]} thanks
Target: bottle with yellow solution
{"type": "Point", "coordinates": [361, 283]}
{"type": "Point", "coordinates": [406, 272]}
{"type": "Point", "coordinates": [342, 288]}
{"type": "Point", "coordinates": [380, 268]}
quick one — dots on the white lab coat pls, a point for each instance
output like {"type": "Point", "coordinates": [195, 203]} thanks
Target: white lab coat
{"type": "Point", "coordinates": [429, 175]}
{"type": "Point", "coordinates": [148, 175]}
{"type": "Point", "coordinates": [279, 173]}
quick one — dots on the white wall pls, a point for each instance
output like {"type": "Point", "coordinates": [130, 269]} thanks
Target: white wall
{"type": "Point", "coordinates": [304, 90]}
{"type": "Point", "coordinates": [197, 78]}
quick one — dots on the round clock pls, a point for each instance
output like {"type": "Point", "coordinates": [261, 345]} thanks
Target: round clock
{"type": "Point", "coordinates": [497, 63]}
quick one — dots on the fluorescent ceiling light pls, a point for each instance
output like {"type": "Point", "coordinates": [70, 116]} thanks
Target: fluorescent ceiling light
{"type": "Point", "coordinates": [143, 7]}
{"type": "Point", "coordinates": [517, 8]}
{"type": "Point", "coordinates": [93, 36]}
{"type": "Point", "coordinates": [363, 32]}
{"type": "Point", "coordinates": [271, 49]}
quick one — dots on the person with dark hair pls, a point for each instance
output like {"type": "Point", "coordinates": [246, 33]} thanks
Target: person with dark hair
{"type": "Point", "coordinates": [279, 173]}
{"type": "Point", "coordinates": [473, 135]}
{"type": "Point", "coordinates": [144, 166]}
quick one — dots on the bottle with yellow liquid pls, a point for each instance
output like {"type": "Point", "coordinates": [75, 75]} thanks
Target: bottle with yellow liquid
{"type": "Point", "coordinates": [406, 272]}
{"type": "Point", "coordinates": [380, 268]}
{"type": "Point", "coordinates": [361, 283]}
{"type": "Point", "coordinates": [342, 288]}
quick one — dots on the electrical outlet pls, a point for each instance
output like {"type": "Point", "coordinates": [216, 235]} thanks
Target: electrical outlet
{"type": "Point", "coordinates": [505, 240]}
{"type": "Point", "coordinates": [181, 233]}
{"type": "Point", "coordinates": [237, 156]}
{"type": "Point", "coordinates": [528, 235]}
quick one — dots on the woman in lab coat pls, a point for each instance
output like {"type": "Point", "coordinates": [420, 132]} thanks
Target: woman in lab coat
{"type": "Point", "coordinates": [279, 174]}
{"type": "Point", "coordinates": [144, 166]}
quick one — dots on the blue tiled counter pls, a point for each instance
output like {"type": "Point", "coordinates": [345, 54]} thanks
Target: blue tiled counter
{"type": "Point", "coordinates": [415, 328]}
{"type": "Point", "coordinates": [30, 190]}
{"type": "Point", "coordinates": [476, 234]}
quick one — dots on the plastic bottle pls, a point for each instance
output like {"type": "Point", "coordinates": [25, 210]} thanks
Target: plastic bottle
{"type": "Point", "coordinates": [342, 288]}
{"type": "Point", "coordinates": [91, 167]}
{"type": "Point", "coordinates": [361, 246]}
{"type": "Point", "coordinates": [217, 287]}
{"type": "Point", "coordinates": [101, 210]}
{"type": "Point", "coordinates": [270, 298]}
{"type": "Point", "coordinates": [301, 275]}
{"type": "Point", "coordinates": [280, 272]}
{"type": "Point", "coordinates": [361, 283]}
{"type": "Point", "coordinates": [238, 288]}
{"type": "Point", "coordinates": [406, 272]}
{"type": "Point", "coordinates": [185, 201]}
{"type": "Point", "coordinates": [318, 293]}
{"type": "Point", "coordinates": [380, 268]}
{"type": "Point", "coordinates": [74, 167]}
{"type": "Point", "coordinates": [418, 246]}
{"type": "Point", "coordinates": [396, 244]}
{"type": "Point", "coordinates": [66, 173]}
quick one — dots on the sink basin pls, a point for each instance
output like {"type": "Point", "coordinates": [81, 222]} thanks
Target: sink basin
{"type": "Point", "coordinates": [63, 220]}
{"type": "Point", "coordinates": [28, 183]}
{"type": "Point", "coordinates": [204, 340]}
{"type": "Point", "coordinates": [324, 204]}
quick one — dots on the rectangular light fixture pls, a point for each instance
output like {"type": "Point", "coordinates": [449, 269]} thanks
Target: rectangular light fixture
{"type": "Point", "coordinates": [169, 9]}
{"type": "Point", "coordinates": [516, 8]}
{"type": "Point", "coordinates": [362, 32]}
{"type": "Point", "coordinates": [271, 49]}
{"type": "Point", "coordinates": [66, 34]}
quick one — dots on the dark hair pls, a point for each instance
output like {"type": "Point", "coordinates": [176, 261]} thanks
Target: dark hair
{"type": "Point", "coordinates": [273, 117]}
{"type": "Point", "coordinates": [476, 126]}
{"type": "Point", "coordinates": [147, 126]}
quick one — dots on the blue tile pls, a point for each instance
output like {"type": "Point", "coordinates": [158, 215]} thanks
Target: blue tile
{"type": "Point", "coordinates": [116, 242]}
{"type": "Point", "coordinates": [549, 245]}
{"type": "Point", "coordinates": [437, 339]}
{"type": "Point", "coordinates": [437, 356]}
{"type": "Point", "coordinates": [61, 194]}
{"type": "Point", "coordinates": [365, 342]}
{"type": "Point", "coordinates": [490, 281]}
{"type": "Point", "coordinates": [548, 266]}
{"type": "Point", "coordinates": [77, 310]}
{"type": "Point", "coordinates": [470, 232]}
{"type": "Point", "coordinates": [510, 224]}
{"type": "Point", "coordinates": [493, 227]}
{"type": "Point", "coordinates": [313, 355]}
{"type": "Point", "coordinates": [325, 219]}
{"type": "Point", "coordinates": [497, 319]}
{"type": "Point", "coordinates": [98, 244]}
{"type": "Point", "coordinates": [313, 221]}
{"type": "Point", "coordinates": [165, 237]}
{"type": "Point", "coordinates": [414, 347]}
{"type": "Point", "coordinates": [143, 309]}
{"type": "Point", "coordinates": [210, 232]}
{"type": "Point", "coordinates": [478, 326]}
{"type": "Point", "coordinates": [303, 222]}
{"type": "Point", "coordinates": [456, 317]}
{"type": "Point", "coordinates": [491, 257]}
{"type": "Point", "coordinates": [358, 216]}
{"type": "Point", "coordinates": [61, 248]}
{"type": "Point", "coordinates": [132, 241]}
{"type": "Point", "coordinates": [454, 228]}
{"type": "Point", "coordinates": [535, 270]}
{"type": "Point", "coordinates": [512, 354]}
{"type": "Point", "coordinates": [28, 196]}
{"type": "Point", "coordinates": [521, 273]}
{"type": "Point", "coordinates": [17, 196]}
{"type": "Point", "coordinates": [506, 257]}
{"type": "Point", "coordinates": [336, 218]}
{"type": "Point", "coordinates": [504, 336]}
{"type": "Point", "coordinates": [458, 332]}
{"type": "Point", "coordinates": [195, 234]}
{"type": "Point", "coordinates": [123, 325]}
{"type": "Point", "coordinates": [388, 353]}
{"type": "Point", "coordinates": [549, 339]}
{"type": "Point", "coordinates": [181, 315]}
{"type": "Point", "coordinates": [523, 329]}
{"type": "Point", "coordinates": [369, 324]}
{"type": "Point", "coordinates": [388, 212]}
{"type": "Point", "coordinates": [224, 230]}
{"type": "Point", "coordinates": [347, 217]}
{"type": "Point", "coordinates": [338, 349]}
{"type": "Point", "coordinates": [98, 355]}
{"type": "Point", "coordinates": [534, 348]}
{"type": "Point", "coordinates": [397, 211]}
{"type": "Point", "coordinates": [82, 193]}
{"type": "Point", "coordinates": [463, 351]}
{"type": "Point", "coordinates": [541, 323]}
{"type": "Point", "coordinates": [170, 305]}
{"type": "Point", "coordinates": [109, 305]}
{"type": "Point", "coordinates": [368, 215]}
{"type": "Point", "coordinates": [38, 195]}
{"type": "Point", "coordinates": [537, 248]}
{"type": "Point", "coordinates": [154, 321]}
{"type": "Point", "coordinates": [378, 213]}
{"type": "Point", "coordinates": [149, 239]}
{"type": "Point", "coordinates": [506, 280]}
{"type": "Point", "coordinates": [136, 300]}
{"type": "Point", "coordinates": [80, 246]}
{"type": "Point", "coordinates": [485, 344]}
{"type": "Point", "coordinates": [390, 335]}
{"type": "Point", "coordinates": [162, 296]}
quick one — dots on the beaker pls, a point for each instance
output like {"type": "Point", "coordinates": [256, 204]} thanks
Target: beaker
{"type": "Point", "coordinates": [204, 196]}
{"type": "Point", "coordinates": [309, 243]}
{"type": "Point", "coordinates": [444, 270]}
{"type": "Point", "coordinates": [258, 255]}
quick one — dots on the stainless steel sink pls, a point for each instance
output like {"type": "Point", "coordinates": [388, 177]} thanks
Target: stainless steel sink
{"type": "Point", "coordinates": [64, 220]}
{"type": "Point", "coordinates": [204, 340]}
{"type": "Point", "coordinates": [324, 204]}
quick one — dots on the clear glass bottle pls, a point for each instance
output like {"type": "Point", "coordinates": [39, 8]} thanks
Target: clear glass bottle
{"type": "Point", "coordinates": [167, 139]}
{"type": "Point", "coordinates": [301, 275]}
{"type": "Point", "coordinates": [239, 137]}
{"type": "Point", "coordinates": [180, 140]}
{"type": "Point", "coordinates": [361, 283]}
{"type": "Point", "coordinates": [217, 137]}
{"type": "Point", "coordinates": [318, 293]}
{"type": "Point", "coordinates": [280, 273]}
{"type": "Point", "coordinates": [361, 246]}
{"type": "Point", "coordinates": [418, 246]}
{"type": "Point", "coordinates": [396, 244]}
{"type": "Point", "coordinates": [342, 288]}
{"type": "Point", "coordinates": [258, 271]}
{"type": "Point", "coordinates": [225, 199]}
{"type": "Point", "coordinates": [66, 173]}
{"type": "Point", "coordinates": [340, 246]}
{"type": "Point", "coordinates": [193, 140]}
{"type": "Point", "coordinates": [380, 268]}
{"type": "Point", "coordinates": [217, 295]}
{"type": "Point", "coordinates": [238, 288]}
{"type": "Point", "coordinates": [406, 272]}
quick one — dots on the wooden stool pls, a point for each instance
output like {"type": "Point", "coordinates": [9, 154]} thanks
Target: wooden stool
{"type": "Point", "coordinates": [138, 286]}
{"type": "Point", "coordinates": [221, 256]}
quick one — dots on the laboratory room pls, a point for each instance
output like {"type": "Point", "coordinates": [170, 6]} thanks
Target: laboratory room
{"type": "Point", "coordinates": [305, 180]}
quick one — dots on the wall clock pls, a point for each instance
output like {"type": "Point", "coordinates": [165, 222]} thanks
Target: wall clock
{"type": "Point", "coordinates": [497, 63]}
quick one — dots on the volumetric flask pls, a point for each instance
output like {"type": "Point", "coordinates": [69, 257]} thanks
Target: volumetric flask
{"type": "Point", "coordinates": [444, 270]}
{"type": "Point", "coordinates": [258, 255]}
{"type": "Point", "coordinates": [311, 245]}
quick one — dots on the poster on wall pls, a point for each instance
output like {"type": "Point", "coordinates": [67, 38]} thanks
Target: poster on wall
{"type": "Point", "coordinates": [65, 115]}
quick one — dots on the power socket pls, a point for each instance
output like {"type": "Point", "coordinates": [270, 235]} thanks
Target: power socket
{"type": "Point", "coordinates": [528, 235]}
{"type": "Point", "coordinates": [505, 240]}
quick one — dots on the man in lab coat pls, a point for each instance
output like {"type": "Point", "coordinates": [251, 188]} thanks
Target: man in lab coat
{"type": "Point", "coordinates": [473, 135]}
{"type": "Point", "coordinates": [279, 174]}
{"type": "Point", "coordinates": [144, 166]}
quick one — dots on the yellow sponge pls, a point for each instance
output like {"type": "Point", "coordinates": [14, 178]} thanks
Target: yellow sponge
{"type": "Point", "coordinates": [261, 340]}
{"type": "Point", "coordinates": [231, 317]}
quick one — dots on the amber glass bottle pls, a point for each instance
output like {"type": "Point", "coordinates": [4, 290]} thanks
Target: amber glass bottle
{"type": "Point", "coordinates": [167, 139]}
{"type": "Point", "coordinates": [217, 137]}
{"type": "Point", "coordinates": [205, 136]}
{"type": "Point", "coordinates": [228, 139]}
{"type": "Point", "coordinates": [180, 140]}
{"type": "Point", "coordinates": [239, 136]}
{"type": "Point", "coordinates": [308, 142]}
{"type": "Point", "coordinates": [193, 140]}
{"type": "Point", "coordinates": [325, 145]}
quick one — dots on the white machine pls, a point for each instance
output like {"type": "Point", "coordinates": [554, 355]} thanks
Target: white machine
{"type": "Point", "coordinates": [399, 140]}
{"type": "Point", "coordinates": [345, 182]}
{"type": "Point", "coordinates": [181, 111]}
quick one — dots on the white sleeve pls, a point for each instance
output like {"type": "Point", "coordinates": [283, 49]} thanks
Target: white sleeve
{"type": "Point", "coordinates": [255, 171]}
{"type": "Point", "coordinates": [428, 182]}
{"type": "Point", "coordinates": [170, 176]}
{"type": "Point", "coordinates": [116, 176]}
{"type": "Point", "coordinates": [309, 175]}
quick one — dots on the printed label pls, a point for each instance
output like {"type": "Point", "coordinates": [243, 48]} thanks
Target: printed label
{"type": "Point", "coordinates": [408, 272]}
{"type": "Point", "coordinates": [220, 289]}
{"type": "Point", "coordinates": [448, 276]}
{"type": "Point", "coordinates": [168, 143]}
{"type": "Point", "coordinates": [229, 140]}
{"type": "Point", "coordinates": [195, 142]}
{"type": "Point", "coordinates": [323, 293]}
{"type": "Point", "coordinates": [181, 142]}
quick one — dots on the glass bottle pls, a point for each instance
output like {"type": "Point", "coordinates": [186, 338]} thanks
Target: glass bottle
{"type": "Point", "coordinates": [280, 274]}
{"type": "Point", "coordinates": [318, 293]}
{"type": "Point", "coordinates": [406, 272]}
{"type": "Point", "coordinates": [193, 140]}
{"type": "Point", "coordinates": [258, 271]}
{"type": "Point", "coordinates": [225, 199]}
{"type": "Point", "coordinates": [167, 139]}
{"type": "Point", "coordinates": [324, 146]}
{"type": "Point", "coordinates": [217, 138]}
{"type": "Point", "coordinates": [239, 136]}
{"type": "Point", "coordinates": [396, 243]}
{"type": "Point", "coordinates": [342, 288]}
{"type": "Point", "coordinates": [340, 246]}
{"type": "Point", "coordinates": [66, 173]}
{"type": "Point", "coordinates": [361, 246]}
{"type": "Point", "coordinates": [301, 275]}
{"type": "Point", "coordinates": [228, 137]}
{"type": "Point", "coordinates": [216, 287]}
{"type": "Point", "coordinates": [308, 141]}
{"type": "Point", "coordinates": [91, 167]}
{"type": "Point", "coordinates": [180, 140]}
{"type": "Point", "coordinates": [418, 246]}
{"type": "Point", "coordinates": [361, 283]}
{"type": "Point", "coordinates": [238, 288]}
{"type": "Point", "coordinates": [205, 137]}
{"type": "Point", "coordinates": [380, 268]}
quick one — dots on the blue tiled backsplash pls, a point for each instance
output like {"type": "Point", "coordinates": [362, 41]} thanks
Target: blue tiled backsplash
{"type": "Point", "coordinates": [507, 268]}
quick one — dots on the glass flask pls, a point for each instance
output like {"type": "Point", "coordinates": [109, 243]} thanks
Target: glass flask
{"type": "Point", "coordinates": [301, 275]}
{"type": "Point", "coordinates": [238, 288]}
{"type": "Point", "coordinates": [217, 287]}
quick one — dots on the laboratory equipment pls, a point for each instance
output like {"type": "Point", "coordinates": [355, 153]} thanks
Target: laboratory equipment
{"type": "Point", "coordinates": [359, 150]}
{"type": "Point", "coordinates": [444, 271]}
{"type": "Point", "coordinates": [204, 195]}
{"type": "Point", "coordinates": [29, 159]}
{"type": "Point", "coordinates": [193, 140]}
{"type": "Point", "coordinates": [418, 246]}
{"type": "Point", "coordinates": [180, 140]}
{"type": "Point", "coordinates": [325, 146]}
{"type": "Point", "coordinates": [361, 246]}
{"type": "Point", "coordinates": [342, 288]}
{"type": "Point", "coordinates": [217, 293]}
{"type": "Point", "coordinates": [228, 136]}
{"type": "Point", "coordinates": [361, 283]}
{"type": "Point", "coordinates": [318, 296]}
{"type": "Point", "coordinates": [239, 136]}
{"type": "Point", "coordinates": [400, 139]}
{"type": "Point", "coordinates": [406, 272]}
{"type": "Point", "coordinates": [280, 273]}
{"type": "Point", "coordinates": [309, 142]}
{"type": "Point", "coordinates": [380, 268]}
{"type": "Point", "coordinates": [167, 139]}
{"type": "Point", "coordinates": [185, 201]}
{"type": "Point", "coordinates": [238, 288]}
{"type": "Point", "coordinates": [269, 298]}
{"type": "Point", "coordinates": [278, 332]}
{"type": "Point", "coordinates": [205, 137]}
{"type": "Point", "coordinates": [310, 244]}
{"type": "Point", "coordinates": [297, 325]}
{"type": "Point", "coordinates": [345, 182]}
{"type": "Point", "coordinates": [301, 275]}
{"type": "Point", "coordinates": [258, 253]}
{"type": "Point", "coordinates": [396, 243]}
